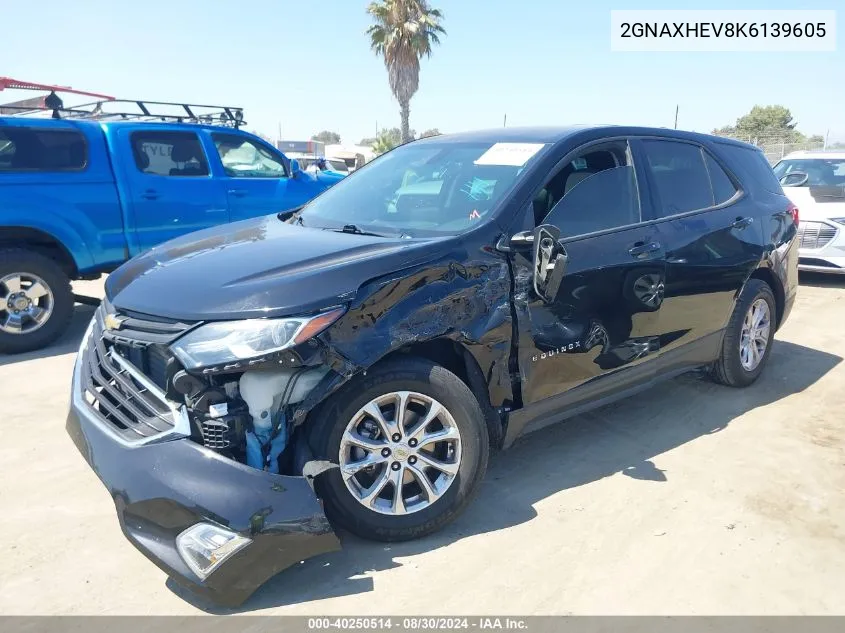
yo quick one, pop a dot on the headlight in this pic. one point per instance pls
(838, 220)
(231, 341)
(204, 547)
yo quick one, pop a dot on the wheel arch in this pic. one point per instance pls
(39, 241)
(455, 357)
(766, 275)
(442, 351)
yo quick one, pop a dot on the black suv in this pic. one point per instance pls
(367, 351)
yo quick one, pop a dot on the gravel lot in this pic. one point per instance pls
(687, 499)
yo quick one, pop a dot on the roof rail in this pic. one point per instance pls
(132, 110)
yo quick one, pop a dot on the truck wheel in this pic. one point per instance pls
(412, 445)
(36, 302)
(748, 337)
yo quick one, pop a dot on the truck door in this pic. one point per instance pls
(172, 191)
(256, 178)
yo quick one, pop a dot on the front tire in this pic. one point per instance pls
(748, 338)
(36, 301)
(412, 445)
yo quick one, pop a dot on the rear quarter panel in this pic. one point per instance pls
(780, 253)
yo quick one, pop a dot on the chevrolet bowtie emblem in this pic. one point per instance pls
(113, 322)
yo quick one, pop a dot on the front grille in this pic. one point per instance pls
(815, 234)
(215, 434)
(134, 406)
(152, 360)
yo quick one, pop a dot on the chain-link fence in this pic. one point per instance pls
(776, 147)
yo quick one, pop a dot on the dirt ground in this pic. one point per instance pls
(687, 499)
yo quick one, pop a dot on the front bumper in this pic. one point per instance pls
(161, 489)
(822, 255)
(811, 262)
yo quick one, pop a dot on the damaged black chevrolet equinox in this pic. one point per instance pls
(364, 353)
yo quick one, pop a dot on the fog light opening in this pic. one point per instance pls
(204, 547)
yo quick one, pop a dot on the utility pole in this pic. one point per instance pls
(676, 117)
(826, 138)
(505, 124)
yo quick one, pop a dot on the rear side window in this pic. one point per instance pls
(33, 149)
(169, 154)
(723, 187)
(679, 175)
(755, 163)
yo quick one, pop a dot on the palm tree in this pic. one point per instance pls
(404, 32)
(384, 143)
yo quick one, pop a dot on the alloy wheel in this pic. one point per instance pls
(754, 338)
(400, 453)
(26, 303)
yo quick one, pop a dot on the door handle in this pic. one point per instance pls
(150, 194)
(641, 250)
(742, 223)
(238, 193)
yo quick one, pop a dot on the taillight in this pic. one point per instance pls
(793, 211)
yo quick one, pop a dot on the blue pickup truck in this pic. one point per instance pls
(80, 197)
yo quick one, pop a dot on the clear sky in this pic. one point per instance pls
(306, 64)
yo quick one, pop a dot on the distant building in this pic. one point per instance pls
(354, 156)
(310, 148)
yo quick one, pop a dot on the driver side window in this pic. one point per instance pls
(595, 191)
(242, 158)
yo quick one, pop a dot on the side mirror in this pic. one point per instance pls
(295, 169)
(795, 179)
(550, 260)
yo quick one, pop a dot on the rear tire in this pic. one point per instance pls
(384, 517)
(37, 288)
(742, 360)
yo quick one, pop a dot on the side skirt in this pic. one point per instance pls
(612, 387)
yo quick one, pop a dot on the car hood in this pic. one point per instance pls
(258, 268)
(328, 178)
(818, 203)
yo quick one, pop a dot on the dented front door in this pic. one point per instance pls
(605, 316)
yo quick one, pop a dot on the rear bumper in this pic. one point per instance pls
(161, 489)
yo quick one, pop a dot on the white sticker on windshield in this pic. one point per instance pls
(510, 154)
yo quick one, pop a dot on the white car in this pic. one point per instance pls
(815, 182)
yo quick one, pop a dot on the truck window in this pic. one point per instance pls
(169, 153)
(33, 149)
(242, 158)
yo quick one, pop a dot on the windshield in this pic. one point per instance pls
(423, 189)
(821, 172)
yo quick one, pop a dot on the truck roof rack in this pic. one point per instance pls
(107, 108)
(132, 110)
